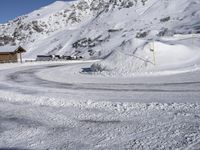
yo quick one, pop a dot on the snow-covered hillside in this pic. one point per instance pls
(116, 30)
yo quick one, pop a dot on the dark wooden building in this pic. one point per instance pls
(11, 54)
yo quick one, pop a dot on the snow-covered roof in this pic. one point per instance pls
(7, 49)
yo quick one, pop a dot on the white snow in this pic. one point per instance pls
(8, 48)
(168, 55)
(126, 97)
(94, 112)
(64, 23)
(48, 10)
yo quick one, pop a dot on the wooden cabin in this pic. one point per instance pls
(11, 54)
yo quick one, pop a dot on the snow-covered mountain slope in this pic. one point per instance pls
(106, 29)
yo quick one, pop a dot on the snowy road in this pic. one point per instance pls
(169, 88)
(50, 107)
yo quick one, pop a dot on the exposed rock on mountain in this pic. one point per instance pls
(96, 28)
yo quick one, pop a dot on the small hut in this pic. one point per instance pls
(11, 54)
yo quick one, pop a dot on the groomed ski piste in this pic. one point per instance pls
(64, 105)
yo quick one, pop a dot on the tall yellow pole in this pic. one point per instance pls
(152, 49)
(154, 55)
(193, 37)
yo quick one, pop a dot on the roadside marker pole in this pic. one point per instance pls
(152, 49)
(154, 55)
(193, 37)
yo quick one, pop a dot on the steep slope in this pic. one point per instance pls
(102, 28)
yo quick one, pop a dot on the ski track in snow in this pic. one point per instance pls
(41, 113)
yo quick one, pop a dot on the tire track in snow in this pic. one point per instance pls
(28, 76)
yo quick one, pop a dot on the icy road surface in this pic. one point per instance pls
(53, 106)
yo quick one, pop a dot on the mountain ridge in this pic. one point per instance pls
(94, 28)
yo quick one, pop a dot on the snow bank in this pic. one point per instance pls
(90, 104)
(25, 64)
(165, 57)
(176, 55)
(122, 64)
(29, 122)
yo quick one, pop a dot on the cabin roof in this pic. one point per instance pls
(12, 49)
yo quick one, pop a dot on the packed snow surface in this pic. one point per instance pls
(57, 106)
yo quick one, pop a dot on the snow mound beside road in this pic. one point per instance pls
(166, 56)
(96, 125)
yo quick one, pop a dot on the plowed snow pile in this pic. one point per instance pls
(46, 123)
(150, 57)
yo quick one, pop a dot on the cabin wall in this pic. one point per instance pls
(5, 58)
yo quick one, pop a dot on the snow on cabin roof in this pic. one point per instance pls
(9, 49)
